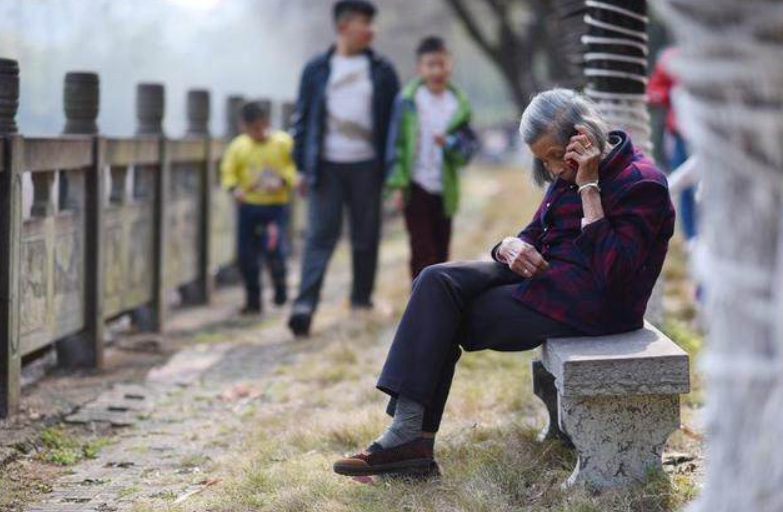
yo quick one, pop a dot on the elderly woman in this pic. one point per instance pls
(585, 265)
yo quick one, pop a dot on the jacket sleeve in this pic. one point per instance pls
(389, 116)
(394, 84)
(299, 118)
(530, 234)
(617, 245)
(461, 145)
(395, 177)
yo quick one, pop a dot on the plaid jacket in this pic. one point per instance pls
(601, 277)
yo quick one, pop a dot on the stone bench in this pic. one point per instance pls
(615, 398)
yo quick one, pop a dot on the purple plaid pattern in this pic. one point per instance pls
(601, 277)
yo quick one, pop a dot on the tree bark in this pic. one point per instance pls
(731, 109)
(616, 65)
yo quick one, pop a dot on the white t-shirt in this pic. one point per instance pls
(435, 112)
(349, 130)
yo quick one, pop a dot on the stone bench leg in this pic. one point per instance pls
(544, 388)
(618, 438)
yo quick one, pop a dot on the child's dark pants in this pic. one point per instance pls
(254, 221)
(429, 229)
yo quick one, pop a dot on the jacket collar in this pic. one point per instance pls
(369, 52)
(410, 89)
(619, 158)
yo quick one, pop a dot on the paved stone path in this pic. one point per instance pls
(187, 413)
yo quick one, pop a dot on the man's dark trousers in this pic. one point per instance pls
(460, 305)
(253, 248)
(429, 229)
(356, 186)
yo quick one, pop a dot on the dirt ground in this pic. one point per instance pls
(228, 413)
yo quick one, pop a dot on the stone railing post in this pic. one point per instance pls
(287, 113)
(150, 108)
(198, 108)
(81, 99)
(233, 106)
(10, 237)
(150, 112)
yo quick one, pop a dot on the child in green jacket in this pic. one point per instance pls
(430, 141)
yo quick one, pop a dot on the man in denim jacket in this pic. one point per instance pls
(340, 129)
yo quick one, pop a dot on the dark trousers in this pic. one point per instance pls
(455, 306)
(429, 229)
(356, 186)
(254, 221)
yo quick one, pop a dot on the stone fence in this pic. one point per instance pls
(95, 227)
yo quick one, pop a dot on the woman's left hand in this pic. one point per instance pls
(583, 150)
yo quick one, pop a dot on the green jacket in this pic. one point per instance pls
(403, 141)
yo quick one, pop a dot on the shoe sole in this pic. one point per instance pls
(407, 468)
(427, 474)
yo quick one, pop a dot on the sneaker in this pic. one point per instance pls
(412, 459)
(299, 323)
(252, 305)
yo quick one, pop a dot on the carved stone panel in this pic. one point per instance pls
(34, 286)
(68, 299)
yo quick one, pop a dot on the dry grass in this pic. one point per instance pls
(324, 404)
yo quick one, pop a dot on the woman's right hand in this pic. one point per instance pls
(522, 258)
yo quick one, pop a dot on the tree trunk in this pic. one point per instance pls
(731, 109)
(529, 56)
(616, 65)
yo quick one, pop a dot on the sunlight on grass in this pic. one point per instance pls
(324, 405)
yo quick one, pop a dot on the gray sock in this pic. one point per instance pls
(406, 424)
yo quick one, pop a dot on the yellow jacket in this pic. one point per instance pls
(250, 165)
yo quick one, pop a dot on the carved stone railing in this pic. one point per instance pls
(112, 227)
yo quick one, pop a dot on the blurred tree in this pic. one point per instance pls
(731, 107)
(534, 44)
(616, 50)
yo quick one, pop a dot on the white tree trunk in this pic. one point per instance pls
(616, 65)
(731, 109)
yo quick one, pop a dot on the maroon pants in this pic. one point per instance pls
(428, 227)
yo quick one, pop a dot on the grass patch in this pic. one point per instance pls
(64, 449)
(683, 335)
(323, 404)
(128, 491)
(691, 341)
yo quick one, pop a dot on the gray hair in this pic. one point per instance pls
(555, 113)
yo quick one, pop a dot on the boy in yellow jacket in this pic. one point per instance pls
(258, 170)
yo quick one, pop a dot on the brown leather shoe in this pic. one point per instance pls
(410, 459)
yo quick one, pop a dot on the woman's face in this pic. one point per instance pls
(551, 154)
